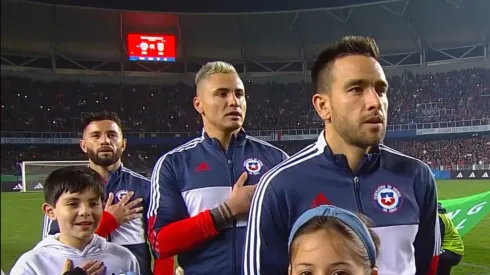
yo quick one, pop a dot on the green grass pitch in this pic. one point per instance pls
(21, 221)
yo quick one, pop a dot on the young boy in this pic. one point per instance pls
(73, 197)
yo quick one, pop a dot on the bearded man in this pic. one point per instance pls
(128, 193)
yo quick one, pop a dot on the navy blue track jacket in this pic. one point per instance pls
(199, 175)
(397, 192)
(133, 234)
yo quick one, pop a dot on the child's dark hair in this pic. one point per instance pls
(72, 179)
(88, 118)
(351, 241)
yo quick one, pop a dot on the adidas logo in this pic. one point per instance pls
(485, 175)
(472, 175)
(459, 175)
(203, 166)
(38, 186)
(17, 187)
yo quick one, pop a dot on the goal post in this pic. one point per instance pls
(35, 172)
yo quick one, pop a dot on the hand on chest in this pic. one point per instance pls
(218, 172)
(121, 190)
(207, 183)
(112, 263)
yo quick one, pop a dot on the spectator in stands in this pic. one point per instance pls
(29, 105)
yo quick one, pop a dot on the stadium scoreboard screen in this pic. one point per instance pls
(151, 47)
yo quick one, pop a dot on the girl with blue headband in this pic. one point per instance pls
(327, 240)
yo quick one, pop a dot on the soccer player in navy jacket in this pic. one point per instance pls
(129, 192)
(201, 191)
(349, 167)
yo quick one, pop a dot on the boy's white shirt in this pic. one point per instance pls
(49, 256)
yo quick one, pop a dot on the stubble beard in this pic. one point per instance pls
(352, 134)
(104, 162)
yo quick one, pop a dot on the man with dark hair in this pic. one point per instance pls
(349, 167)
(128, 192)
(73, 197)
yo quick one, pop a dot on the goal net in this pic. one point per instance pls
(35, 172)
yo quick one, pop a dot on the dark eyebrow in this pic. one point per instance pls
(226, 90)
(340, 263)
(99, 132)
(304, 264)
(72, 199)
(77, 199)
(364, 82)
(355, 82)
(335, 264)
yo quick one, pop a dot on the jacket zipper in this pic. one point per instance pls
(108, 189)
(229, 156)
(357, 192)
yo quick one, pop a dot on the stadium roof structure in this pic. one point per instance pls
(284, 38)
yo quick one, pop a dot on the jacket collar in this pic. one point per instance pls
(368, 162)
(113, 174)
(118, 172)
(238, 138)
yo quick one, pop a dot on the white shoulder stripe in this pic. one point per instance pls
(393, 151)
(265, 143)
(46, 226)
(437, 235)
(252, 242)
(155, 176)
(134, 174)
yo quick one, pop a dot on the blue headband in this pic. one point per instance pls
(348, 218)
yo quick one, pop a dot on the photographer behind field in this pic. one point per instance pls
(452, 248)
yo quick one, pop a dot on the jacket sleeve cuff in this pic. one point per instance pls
(185, 235)
(107, 225)
(76, 271)
(163, 266)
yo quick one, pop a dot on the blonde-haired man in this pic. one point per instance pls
(201, 191)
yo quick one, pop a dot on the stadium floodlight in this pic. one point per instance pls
(35, 172)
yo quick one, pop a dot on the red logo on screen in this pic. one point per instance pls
(150, 47)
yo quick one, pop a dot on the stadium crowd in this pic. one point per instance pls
(449, 153)
(38, 106)
(57, 106)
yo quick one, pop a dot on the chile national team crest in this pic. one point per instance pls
(388, 198)
(253, 166)
(120, 195)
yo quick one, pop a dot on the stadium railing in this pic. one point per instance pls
(389, 128)
(260, 133)
(470, 167)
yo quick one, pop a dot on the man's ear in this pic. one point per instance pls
(49, 211)
(322, 105)
(83, 146)
(197, 105)
(124, 144)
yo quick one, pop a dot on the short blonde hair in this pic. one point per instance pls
(215, 67)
